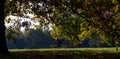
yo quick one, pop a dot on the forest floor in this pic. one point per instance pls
(64, 53)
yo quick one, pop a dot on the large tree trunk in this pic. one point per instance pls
(3, 45)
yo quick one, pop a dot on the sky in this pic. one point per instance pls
(30, 18)
(33, 23)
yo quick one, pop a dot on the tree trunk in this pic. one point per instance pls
(3, 45)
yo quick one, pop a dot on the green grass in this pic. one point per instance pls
(65, 53)
(89, 50)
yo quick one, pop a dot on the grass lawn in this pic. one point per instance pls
(88, 50)
(65, 53)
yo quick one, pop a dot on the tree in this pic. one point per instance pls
(34, 39)
(100, 17)
(3, 46)
(20, 8)
(88, 17)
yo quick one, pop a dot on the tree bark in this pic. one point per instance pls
(3, 45)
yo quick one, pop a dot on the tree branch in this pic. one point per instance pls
(81, 15)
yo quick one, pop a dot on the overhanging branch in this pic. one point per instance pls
(81, 15)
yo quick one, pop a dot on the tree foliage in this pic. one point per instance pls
(98, 16)
(74, 19)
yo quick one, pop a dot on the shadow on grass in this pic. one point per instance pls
(61, 55)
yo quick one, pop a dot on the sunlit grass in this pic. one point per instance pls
(64, 53)
(83, 50)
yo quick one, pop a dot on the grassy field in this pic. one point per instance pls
(89, 50)
(65, 53)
